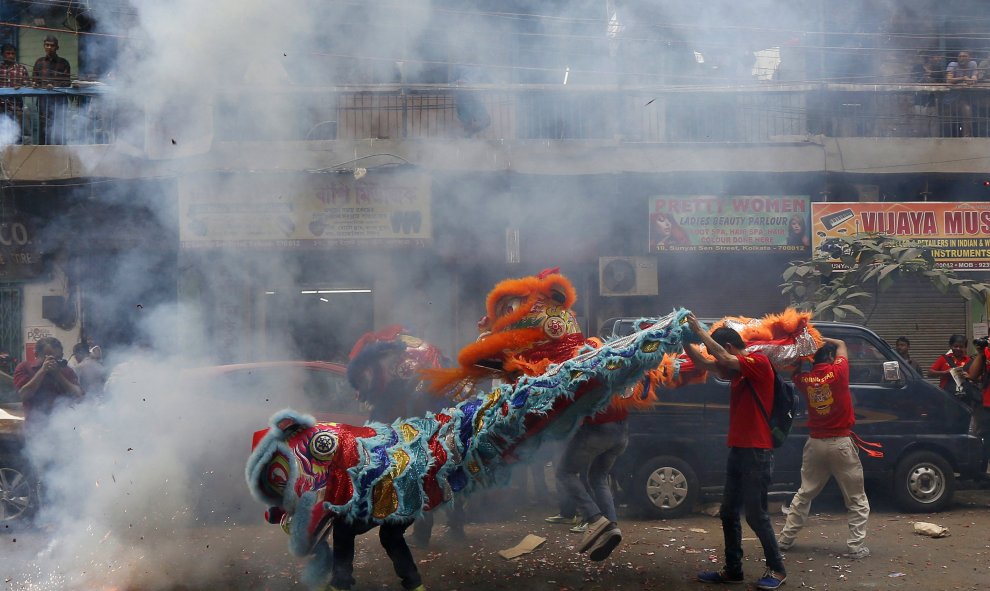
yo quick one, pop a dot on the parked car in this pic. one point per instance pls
(677, 450)
(245, 395)
(16, 495)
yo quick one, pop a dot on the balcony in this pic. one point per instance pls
(661, 115)
(62, 116)
(770, 120)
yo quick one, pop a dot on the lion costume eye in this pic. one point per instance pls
(508, 305)
(323, 446)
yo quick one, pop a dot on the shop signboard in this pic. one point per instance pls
(20, 254)
(710, 223)
(958, 233)
(319, 210)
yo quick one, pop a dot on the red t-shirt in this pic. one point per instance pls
(941, 364)
(747, 427)
(830, 409)
(610, 414)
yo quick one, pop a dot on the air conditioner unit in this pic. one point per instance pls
(627, 276)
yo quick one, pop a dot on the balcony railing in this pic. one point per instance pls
(527, 112)
(53, 117)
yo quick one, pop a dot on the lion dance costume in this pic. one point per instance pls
(311, 474)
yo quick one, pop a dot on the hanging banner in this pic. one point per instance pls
(702, 223)
(380, 208)
(958, 233)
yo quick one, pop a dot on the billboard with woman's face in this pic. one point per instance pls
(692, 223)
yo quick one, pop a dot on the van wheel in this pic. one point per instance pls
(18, 495)
(665, 487)
(924, 482)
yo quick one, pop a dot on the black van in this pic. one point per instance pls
(677, 451)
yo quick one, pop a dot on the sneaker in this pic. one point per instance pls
(720, 576)
(580, 528)
(604, 544)
(558, 518)
(420, 588)
(861, 552)
(784, 545)
(593, 531)
(771, 580)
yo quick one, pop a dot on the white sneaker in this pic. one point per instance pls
(580, 528)
(861, 552)
(784, 546)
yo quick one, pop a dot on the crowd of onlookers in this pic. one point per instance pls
(959, 71)
(50, 71)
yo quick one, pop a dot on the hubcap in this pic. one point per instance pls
(667, 487)
(15, 494)
(926, 483)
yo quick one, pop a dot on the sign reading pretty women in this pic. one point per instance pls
(700, 223)
(958, 233)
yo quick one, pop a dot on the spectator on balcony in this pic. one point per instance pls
(51, 71)
(471, 112)
(960, 73)
(930, 69)
(13, 75)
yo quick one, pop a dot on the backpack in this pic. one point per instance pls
(781, 416)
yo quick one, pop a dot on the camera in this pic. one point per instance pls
(62, 362)
(982, 342)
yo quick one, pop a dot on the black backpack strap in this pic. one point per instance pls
(759, 403)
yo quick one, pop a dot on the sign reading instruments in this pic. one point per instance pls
(703, 223)
(957, 233)
(305, 210)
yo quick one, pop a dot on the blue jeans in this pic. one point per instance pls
(747, 480)
(590, 453)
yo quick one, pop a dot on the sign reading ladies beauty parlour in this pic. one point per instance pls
(958, 234)
(703, 223)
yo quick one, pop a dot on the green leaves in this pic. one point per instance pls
(872, 263)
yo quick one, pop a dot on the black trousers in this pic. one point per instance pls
(391, 536)
(747, 481)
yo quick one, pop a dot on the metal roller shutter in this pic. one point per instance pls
(922, 313)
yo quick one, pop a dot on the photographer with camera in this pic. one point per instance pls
(979, 373)
(45, 382)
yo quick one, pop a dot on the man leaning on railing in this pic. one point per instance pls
(962, 73)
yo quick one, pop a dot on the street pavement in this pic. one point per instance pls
(654, 554)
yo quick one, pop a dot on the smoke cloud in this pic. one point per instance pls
(132, 479)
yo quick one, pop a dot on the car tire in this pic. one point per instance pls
(18, 493)
(665, 487)
(924, 482)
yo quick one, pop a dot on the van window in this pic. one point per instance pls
(865, 361)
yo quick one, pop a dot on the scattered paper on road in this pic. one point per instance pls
(527, 545)
(930, 529)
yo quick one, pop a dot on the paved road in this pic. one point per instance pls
(654, 555)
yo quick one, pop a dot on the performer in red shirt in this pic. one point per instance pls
(830, 450)
(979, 372)
(749, 469)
